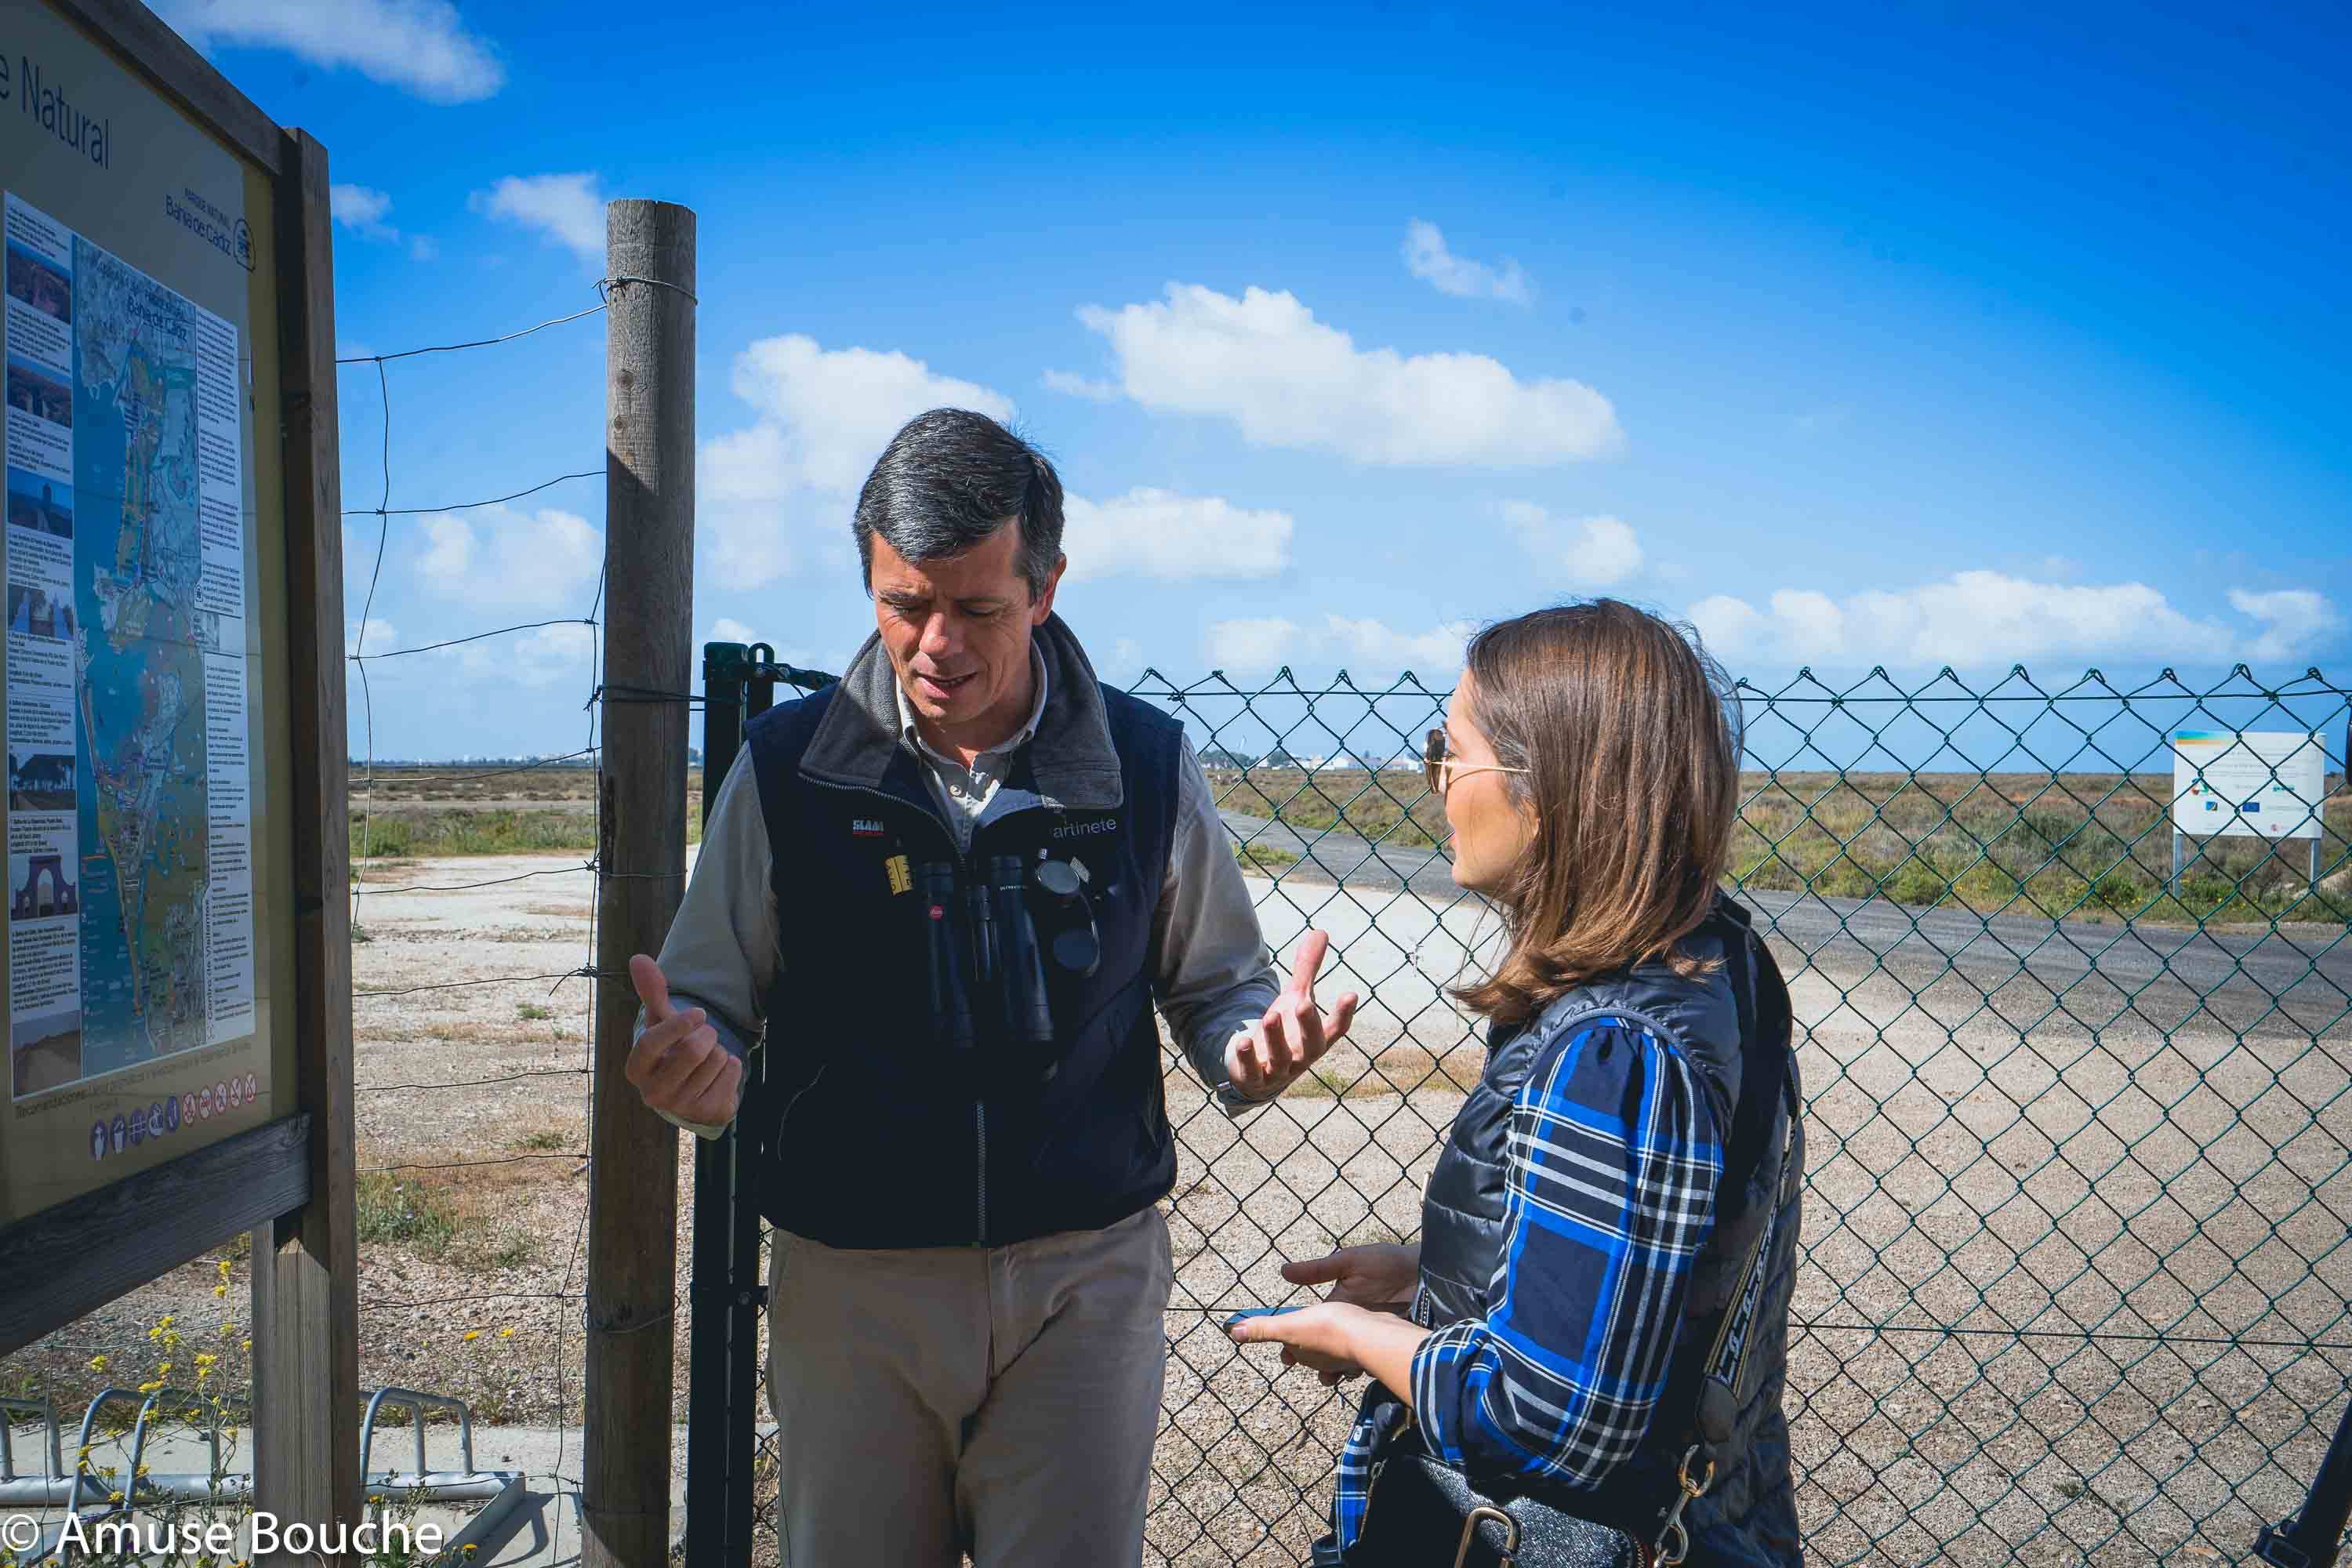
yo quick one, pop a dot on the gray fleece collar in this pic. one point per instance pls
(1076, 765)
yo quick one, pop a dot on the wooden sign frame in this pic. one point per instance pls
(289, 1180)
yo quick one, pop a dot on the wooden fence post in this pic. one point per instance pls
(641, 853)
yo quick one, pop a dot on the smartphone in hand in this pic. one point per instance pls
(1249, 1313)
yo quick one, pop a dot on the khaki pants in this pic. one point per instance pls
(936, 1401)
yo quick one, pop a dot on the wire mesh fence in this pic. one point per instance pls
(474, 897)
(2077, 1283)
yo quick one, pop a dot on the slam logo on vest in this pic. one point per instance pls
(866, 827)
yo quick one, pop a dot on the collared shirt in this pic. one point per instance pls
(1215, 976)
(1614, 1165)
(965, 794)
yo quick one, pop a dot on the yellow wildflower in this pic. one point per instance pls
(149, 1387)
(473, 1333)
(98, 1364)
(114, 1497)
(505, 1333)
(167, 1319)
(249, 1344)
(220, 1293)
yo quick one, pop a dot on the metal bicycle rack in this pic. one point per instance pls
(499, 1491)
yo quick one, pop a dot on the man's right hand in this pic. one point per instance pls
(678, 1064)
(1376, 1276)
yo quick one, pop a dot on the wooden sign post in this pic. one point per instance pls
(177, 960)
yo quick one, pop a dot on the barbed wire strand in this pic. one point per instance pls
(588, 1036)
(470, 505)
(359, 648)
(382, 359)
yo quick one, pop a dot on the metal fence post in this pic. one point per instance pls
(2313, 1538)
(718, 1477)
(745, 1321)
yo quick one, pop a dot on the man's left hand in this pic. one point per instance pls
(1261, 1060)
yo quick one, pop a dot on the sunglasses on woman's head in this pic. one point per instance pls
(1439, 769)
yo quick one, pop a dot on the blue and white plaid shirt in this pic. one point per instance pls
(1614, 1163)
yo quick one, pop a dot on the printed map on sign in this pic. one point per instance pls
(130, 799)
(141, 683)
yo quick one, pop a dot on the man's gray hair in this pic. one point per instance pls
(950, 478)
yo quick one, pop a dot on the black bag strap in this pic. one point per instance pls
(1769, 1108)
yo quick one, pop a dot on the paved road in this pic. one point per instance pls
(2294, 980)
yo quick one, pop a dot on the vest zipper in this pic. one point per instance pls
(984, 947)
(979, 1107)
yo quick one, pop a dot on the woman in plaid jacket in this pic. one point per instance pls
(1596, 1317)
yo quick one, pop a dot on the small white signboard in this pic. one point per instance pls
(2253, 783)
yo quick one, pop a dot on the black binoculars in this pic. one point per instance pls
(983, 941)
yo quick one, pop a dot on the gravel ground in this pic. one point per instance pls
(2077, 1291)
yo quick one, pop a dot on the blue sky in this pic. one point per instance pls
(1913, 334)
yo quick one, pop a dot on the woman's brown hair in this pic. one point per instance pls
(1630, 736)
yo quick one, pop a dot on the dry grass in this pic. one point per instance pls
(2075, 846)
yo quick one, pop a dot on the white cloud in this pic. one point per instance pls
(823, 415)
(1582, 552)
(567, 208)
(1977, 619)
(2298, 621)
(362, 210)
(1080, 386)
(1173, 537)
(500, 560)
(726, 628)
(783, 488)
(1426, 257)
(420, 45)
(541, 657)
(1251, 643)
(1264, 364)
(1366, 647)
(380, 638)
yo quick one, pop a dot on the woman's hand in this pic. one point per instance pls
(1321, 1337)
(1375, 1276)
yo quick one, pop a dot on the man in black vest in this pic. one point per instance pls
(942, 898)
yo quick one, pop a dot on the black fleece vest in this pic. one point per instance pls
(1733, 1026)
(865, 1132)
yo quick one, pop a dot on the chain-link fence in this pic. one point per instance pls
(2077, 1282)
